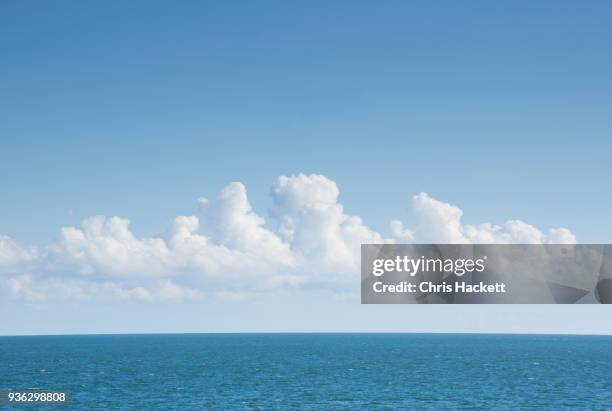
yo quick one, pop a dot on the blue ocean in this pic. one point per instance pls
(314, 371)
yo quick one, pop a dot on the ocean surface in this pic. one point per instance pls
(314, 371)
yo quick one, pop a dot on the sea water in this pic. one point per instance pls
(314, 371)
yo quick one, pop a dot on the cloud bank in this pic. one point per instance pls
(229, 249)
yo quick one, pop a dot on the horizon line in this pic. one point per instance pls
(308, 332)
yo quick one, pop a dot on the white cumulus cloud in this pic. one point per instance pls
(313, 222)
(440, 222)
(13, 253)
(229, 249)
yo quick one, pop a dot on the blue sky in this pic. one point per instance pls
(136, 109)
